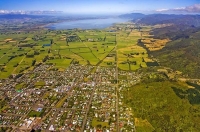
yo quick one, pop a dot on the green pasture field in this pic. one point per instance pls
(63, 52)
(34, 113)
(10, 67)
(80, 50)
(19, 86)
(76, 44)
(27, 62)
(40, 56)
(60, 53)
(4, 59)
(90, 57)
(110, 38)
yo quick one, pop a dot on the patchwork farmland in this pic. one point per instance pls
(21, 51)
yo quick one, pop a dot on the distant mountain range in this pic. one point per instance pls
(172, 19)
(133, 16)
(153, 19)
(20, 16)
(29, 12)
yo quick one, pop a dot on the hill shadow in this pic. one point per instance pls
(193, 95)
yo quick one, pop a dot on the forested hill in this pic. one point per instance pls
(133, 16)
(174, 32)
(183, 52)
(190, 20)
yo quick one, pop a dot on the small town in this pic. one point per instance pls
(82, 98)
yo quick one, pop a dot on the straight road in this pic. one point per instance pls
(116, 88)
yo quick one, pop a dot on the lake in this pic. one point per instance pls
(87, 24)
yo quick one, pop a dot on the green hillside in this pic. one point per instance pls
(183, 55)
(163, 107)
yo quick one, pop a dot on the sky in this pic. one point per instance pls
(104, 6)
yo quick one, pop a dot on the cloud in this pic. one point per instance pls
(161, 10)
(189, 9)
(194, 8)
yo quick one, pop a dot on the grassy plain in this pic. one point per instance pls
(20, 52)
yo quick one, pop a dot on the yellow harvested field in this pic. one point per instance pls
(135, 34)
(8, 39)
(131, 48)
(145, 34)
(148, 60)
(12, 41)
(155, 44)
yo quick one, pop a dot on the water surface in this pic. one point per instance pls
(87, 24)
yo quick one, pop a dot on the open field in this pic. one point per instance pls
(21, 52)
(130, 55)
(154, 44)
